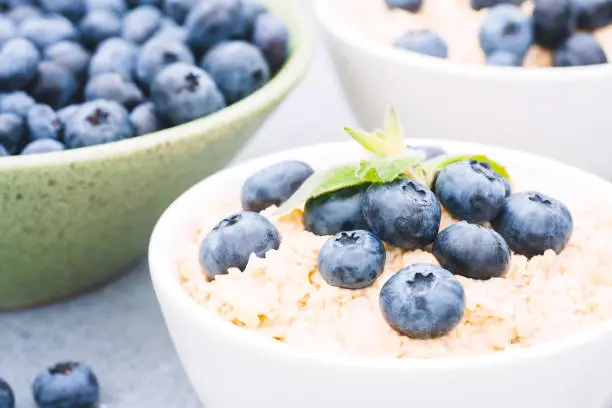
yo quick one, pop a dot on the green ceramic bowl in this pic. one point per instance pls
(75, 219)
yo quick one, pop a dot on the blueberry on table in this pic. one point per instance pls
(231, 243)
(12, 131)
(157, 54)
(71, 9)
(403, 213)
(423, 301)
(183, 92)
(7, 397)
(17, 102)
(114, 55)
(43, 123)
(424, 42)
(21, 13)
(553, 22)
(271, 35)
(337, 211)
(141, 23)
(580, 49)
(471, 191)
(54, 85)
(66, 385)
(144, 119)
(43, 146)
(238, 68)
(506, 28)
(274, 185)
(409, 5)
(113, 87)
(352, 259)
(8, 29)
(118, 6)
(48, 30)
(71, 55)
(504, 59)
(480, 4)
(532, 223)
(99, 25)
(592, 14)
(96, 123)
(178, 9)
(214, 21)
(18, 62)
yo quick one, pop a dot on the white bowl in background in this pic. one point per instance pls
(232, 368)
(556, 112)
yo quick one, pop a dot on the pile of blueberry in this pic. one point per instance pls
(562, 26)
(77, 73)
(65, 385)
(423, 300)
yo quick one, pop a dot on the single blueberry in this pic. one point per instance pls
(96, 123)
(506, 28)
(71, 9)
(238, 68)
(533, 223)
(118, 6)
(8, 29)
(424, 42)
(472, 251)
(183, 92)
(43, 123)
(211, 22)
(170, 31)
(471, 191)
(403, 213)
(21, 13)
(144, 119)
(18, 62)
(274, 185)
(231, 243)
(580, 49)
(504, 59)
(553, 22)
(271, 35)
(352, 259)
(3, 152)
(47, 30)
(337, 211)
(251, 10)
(66, 113)
(113, 87)
(157, 54)
(43, 146)
(70, 55)
(409, 5)
(430, 152)
(141, 23)
(592, 14)
(7, 397)
(423, 301)
(54, 85)
(66, 385)
(114, 55)
(17, 102)
(99, 25)
(12, 131)
(178, 9)
(480, 4)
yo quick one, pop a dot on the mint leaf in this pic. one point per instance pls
(387, 169)
(434, 166)
(383, 143)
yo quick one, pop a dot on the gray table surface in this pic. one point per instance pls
(119, 329)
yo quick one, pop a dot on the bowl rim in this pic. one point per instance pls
(344, 34)
(162, 267)
(295, 68)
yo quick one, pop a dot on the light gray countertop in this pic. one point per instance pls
(119, 329)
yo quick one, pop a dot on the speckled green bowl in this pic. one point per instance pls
(73, 220)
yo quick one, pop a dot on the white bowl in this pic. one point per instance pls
(557, 112)
(232, 368)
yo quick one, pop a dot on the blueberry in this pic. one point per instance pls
(66, 385)
(170, 31)
(182, 93)
(17, 102)
(144, 119)
(214, 21)
(592, 14)
(21, 13)
(3, 152)
(99, 25)
(118, 6)
(54, 85)
(506, 28)
(234, 240)
(18, 61)
(471, 191)
(71, 9)
(114, 55)
(12, 131)
(472, 251)
(66, 113)
(70, 55)
(431, 152)
(238, 68)
(113, 87)
(334, 212)
(271, 35)
(504, 59)
(553, 22)
(43, 146)
(157, 54)
(96, 123)
(423, 301)
(51, 29)
(423, 42)
(178, 9)
(580, 49)
(409, 5)
(480, 4)
(274, 185)
(352, 259)
(7, 398)
(43, 123)
(8, 29)
(251, 10)
(533, 223)
(141, 23)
